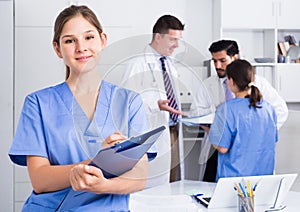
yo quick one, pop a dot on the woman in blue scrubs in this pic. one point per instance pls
(244, 129)
(62, 127)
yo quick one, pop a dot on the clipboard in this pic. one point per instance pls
(122, 157)
(113, 161)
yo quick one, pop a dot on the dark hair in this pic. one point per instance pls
(242, 73)
(166, 22)
(230, 46)
(69, 13)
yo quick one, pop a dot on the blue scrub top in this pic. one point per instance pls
(250, 136)
(50, 126)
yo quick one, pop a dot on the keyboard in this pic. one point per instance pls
(207, 199)
(202, 200)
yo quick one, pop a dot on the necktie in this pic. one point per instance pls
(228, 94)
(169, 90)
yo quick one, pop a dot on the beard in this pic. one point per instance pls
(221, 73)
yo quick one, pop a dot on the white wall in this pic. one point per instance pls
(6, 103)
(287, 150)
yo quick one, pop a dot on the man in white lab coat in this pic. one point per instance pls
(223, 53)
(144, 75)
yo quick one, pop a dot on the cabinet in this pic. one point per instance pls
(288, 81)
(258, 26)
(258, 14)
(192, 138)
(288, 14)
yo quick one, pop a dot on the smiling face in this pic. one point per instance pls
(80, 45)
(165, 44)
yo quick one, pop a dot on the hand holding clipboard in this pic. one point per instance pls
(114, 161)
(122, 157)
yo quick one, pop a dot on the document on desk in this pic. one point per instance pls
(198, 120)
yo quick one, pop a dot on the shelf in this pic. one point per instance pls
(193, 139)
(289, 64)
(263, 64)
(273, 20)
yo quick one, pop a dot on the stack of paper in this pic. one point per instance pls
(198, 120)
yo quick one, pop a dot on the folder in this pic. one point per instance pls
(122, 157)
(114, 161)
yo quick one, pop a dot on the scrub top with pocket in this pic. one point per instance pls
(52, 125)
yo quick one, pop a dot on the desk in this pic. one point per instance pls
(173, 197)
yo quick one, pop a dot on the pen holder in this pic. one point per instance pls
(245, 204)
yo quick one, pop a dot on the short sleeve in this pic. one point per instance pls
(29, 138)
(220, 132)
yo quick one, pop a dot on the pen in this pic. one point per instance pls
(256, 184)
(251, 196)
(242, 189)
(244, 185)
(198, 195)
(249, 188)
(238, 189)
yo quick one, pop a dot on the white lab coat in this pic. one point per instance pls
(143, 74)
(216, 90)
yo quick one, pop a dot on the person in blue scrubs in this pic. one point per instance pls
(244, 129)
(62, 127)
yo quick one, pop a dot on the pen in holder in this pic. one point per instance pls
(245, 203)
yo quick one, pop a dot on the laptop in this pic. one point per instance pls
(270, 191)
